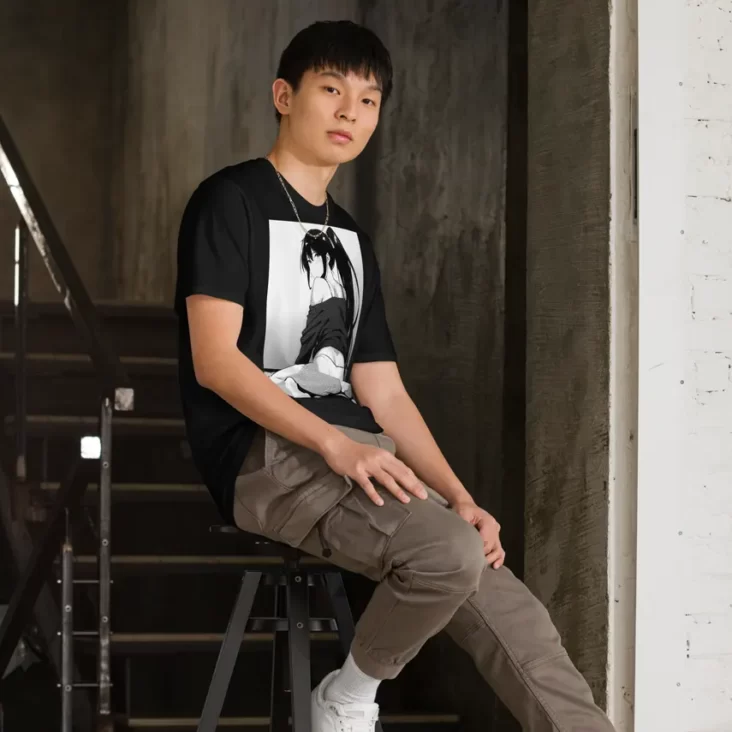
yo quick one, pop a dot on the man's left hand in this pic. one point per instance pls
(488, 528)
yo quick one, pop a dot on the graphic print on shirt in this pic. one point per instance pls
(314, 299)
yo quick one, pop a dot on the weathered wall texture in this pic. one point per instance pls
(568, 323)
(55, 96)
(435, 184)
(437, 217)
(193, 85)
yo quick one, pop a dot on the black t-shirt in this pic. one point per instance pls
(312, 307)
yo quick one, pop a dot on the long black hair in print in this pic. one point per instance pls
(328, 247)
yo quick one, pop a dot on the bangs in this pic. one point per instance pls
(341, 46)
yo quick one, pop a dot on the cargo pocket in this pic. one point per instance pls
(361, 530)
(294, 489)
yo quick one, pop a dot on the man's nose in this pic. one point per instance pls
(348, 112)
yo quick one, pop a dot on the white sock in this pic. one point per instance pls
(351, 685)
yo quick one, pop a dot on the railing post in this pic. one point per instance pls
(104, 562)
(67, 629)
(20, 301)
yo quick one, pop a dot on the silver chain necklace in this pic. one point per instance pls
(294, 208)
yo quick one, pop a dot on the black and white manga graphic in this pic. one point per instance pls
(314, 303)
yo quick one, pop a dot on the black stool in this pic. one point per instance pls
(291, 572)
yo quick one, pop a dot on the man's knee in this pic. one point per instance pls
(452, 559)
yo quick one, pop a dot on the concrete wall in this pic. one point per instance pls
(684, 636)
(433, 197)
(55, 96)
(567, 362)
(193, 88)
(434, 203)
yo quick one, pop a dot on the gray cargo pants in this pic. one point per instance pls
(432, 574)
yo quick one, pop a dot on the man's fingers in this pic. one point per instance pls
(369, 490)
(496, 558)
(391, 485)
(488, 534)
(406, 477)
(498, 563)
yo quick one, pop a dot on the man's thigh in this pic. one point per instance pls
(284, 489)
(289, 493)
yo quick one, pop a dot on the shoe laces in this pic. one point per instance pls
(352, 719)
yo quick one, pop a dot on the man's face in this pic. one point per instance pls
(327, 103)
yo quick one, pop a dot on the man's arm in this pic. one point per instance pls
(378, 386)
(220, 366)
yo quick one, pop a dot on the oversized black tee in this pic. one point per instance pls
(312, 307)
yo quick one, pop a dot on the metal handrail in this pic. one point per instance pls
(115, 380)
(117, 394)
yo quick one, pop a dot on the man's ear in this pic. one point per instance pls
(282, 96)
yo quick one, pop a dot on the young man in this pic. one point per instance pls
(299, 421)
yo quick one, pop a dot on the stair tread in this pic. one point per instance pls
(121, 423)
(83, 358)
(105, 309)
(143, 559)
(138, 487)
(152, 722)
(170, 563)
(150, 642)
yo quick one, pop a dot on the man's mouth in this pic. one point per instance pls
(340, 136)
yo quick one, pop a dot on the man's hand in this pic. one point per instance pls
(489, 529)
(362, 462)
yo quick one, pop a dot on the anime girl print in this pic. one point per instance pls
(313, 307)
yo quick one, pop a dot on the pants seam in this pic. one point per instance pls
(366, 645)
(387, 544)
(539, 662)
(445, 590)
(551, 714)
(246, 509)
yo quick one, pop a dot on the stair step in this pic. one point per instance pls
(158, 643)
(135, 458)
(81, 361)
(172, 723)
(142, 492)
(58, 424)
(106, 309)
(176, 723)
(133, 329)
(67, 385)
(168, 564)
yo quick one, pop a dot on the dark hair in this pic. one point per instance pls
(341, 45)
(328, 247)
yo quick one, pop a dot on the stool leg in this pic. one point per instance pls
(341, 609)
(343, 615)
(279, 707)
(229, 653)
(299, 637)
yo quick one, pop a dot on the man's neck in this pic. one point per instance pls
(305, 176)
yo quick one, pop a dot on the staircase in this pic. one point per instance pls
(174, 582)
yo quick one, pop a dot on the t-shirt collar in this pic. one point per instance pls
(306, 209)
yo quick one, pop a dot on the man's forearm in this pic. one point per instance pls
(416, 447)
(248, 389)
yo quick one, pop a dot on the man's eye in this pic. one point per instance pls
(370, 101)
(330, 89)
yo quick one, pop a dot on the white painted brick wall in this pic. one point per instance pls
(706, 533)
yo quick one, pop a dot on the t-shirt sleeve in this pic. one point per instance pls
(213, 244)
(374, 341)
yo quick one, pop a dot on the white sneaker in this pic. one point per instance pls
(328, 716)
